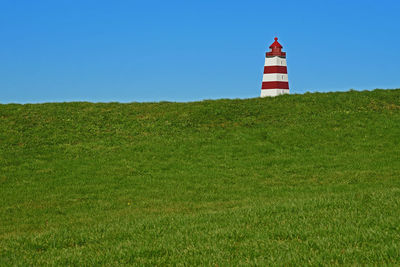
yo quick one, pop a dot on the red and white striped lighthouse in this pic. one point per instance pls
(275, 79)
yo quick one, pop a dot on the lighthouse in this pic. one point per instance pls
(275, 79)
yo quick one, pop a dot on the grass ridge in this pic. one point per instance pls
(306, 179)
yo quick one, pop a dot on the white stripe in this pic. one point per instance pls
(275, 61)
(275, 77)
(273, 92)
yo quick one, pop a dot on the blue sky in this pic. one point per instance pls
(102, 51)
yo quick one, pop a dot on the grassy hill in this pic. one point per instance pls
(296, 179)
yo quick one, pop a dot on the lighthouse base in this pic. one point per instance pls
(273, 92)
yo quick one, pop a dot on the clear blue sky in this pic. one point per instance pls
(81, 50)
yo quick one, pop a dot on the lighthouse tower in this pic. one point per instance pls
(275, 79)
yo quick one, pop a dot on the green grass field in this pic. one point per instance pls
(293, 180)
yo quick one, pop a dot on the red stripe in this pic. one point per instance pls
(275, 69)
(275, 85)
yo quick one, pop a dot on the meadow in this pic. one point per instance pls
(310, 179)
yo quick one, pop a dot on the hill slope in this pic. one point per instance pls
(301, 179)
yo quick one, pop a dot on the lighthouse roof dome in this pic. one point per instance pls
(276, 43)
(276, 50)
